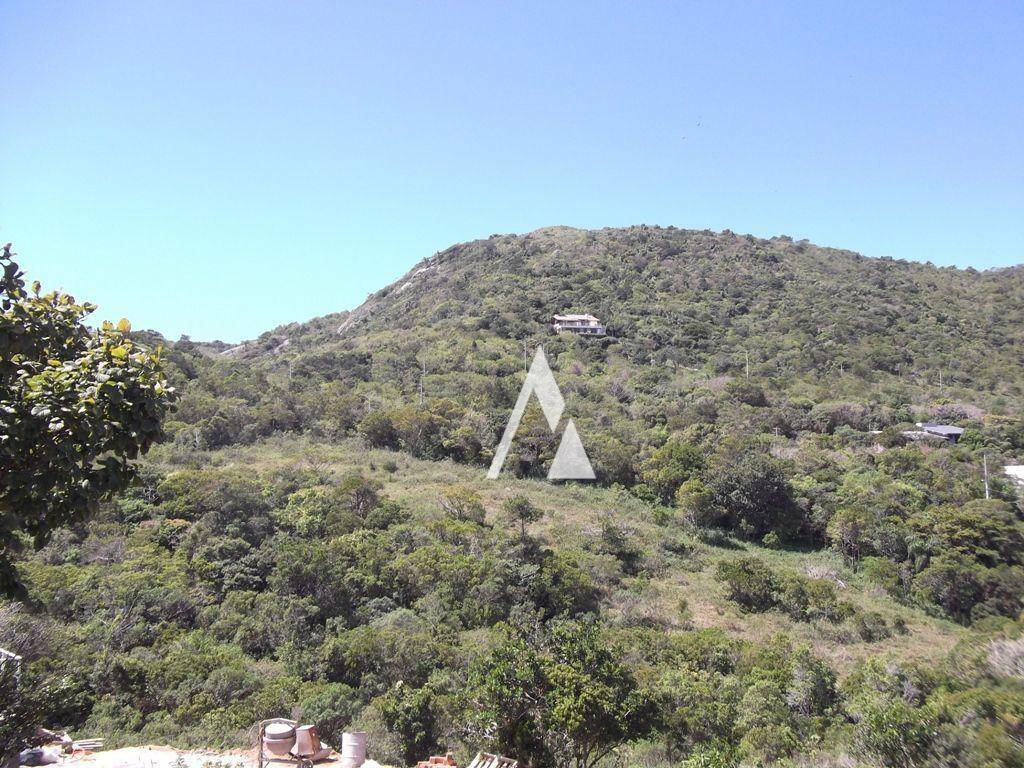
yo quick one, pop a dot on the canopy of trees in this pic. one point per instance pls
(286, 550)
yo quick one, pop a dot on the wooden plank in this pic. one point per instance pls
(487, 760)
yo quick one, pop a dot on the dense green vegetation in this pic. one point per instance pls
(766, 572)
(76, 406)
(405, 600)
(758, 386)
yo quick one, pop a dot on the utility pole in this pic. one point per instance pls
(984, 459)
(746, 363)
(423, 372)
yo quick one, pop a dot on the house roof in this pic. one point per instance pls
(942, 429)
(567, 318)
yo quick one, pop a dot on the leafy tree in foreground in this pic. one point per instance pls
(593, 701)
(564, 698)
(407, 712)
(76, 407)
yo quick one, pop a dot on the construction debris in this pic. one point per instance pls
(447, 759)
(87, 745)
(486, 760)
(40, 756)
(482, 760)
(53, 746)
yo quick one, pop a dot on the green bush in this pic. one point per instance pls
(669, 467)
(871, 626)
(751, 583)
(754, 492)
(333, 707)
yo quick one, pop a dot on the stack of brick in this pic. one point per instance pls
(448, 759)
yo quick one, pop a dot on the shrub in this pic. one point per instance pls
(332, 707)
(753, 491)
(766, 722)
(748, 392)
(755, 587)
(519, 509)
(683, 611)
(896, 733)
(823, 601)
(669, 467)
(408, 713)
(952, 583)
(987, 531)
(462, 503)
(697, 503)
(751, 583)
(378, 431)
(698, 707)
(617, 541)
(708, 757)
(374, 657)
(871, 626)
(883, 572)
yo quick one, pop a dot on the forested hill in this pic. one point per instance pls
(710, 336)
(699, 298)
(768, 570)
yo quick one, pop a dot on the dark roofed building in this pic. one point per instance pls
(945, 431)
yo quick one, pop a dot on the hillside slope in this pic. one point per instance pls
(763, 387)
(693, 297)
(710, 336)
(768, 571)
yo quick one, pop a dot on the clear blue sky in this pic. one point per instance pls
(217, 169)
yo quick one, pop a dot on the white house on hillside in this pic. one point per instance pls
(585, 325)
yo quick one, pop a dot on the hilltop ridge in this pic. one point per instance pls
(720, 301)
